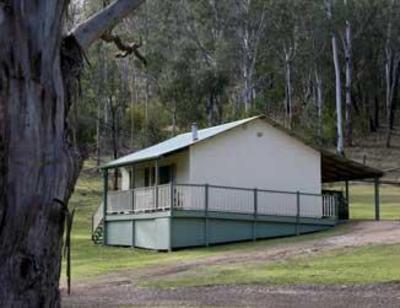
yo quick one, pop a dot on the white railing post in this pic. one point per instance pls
(172, 196)
(133, 199)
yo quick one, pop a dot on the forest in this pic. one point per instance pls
(328, 69)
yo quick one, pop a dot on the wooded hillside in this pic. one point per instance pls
(327, 68)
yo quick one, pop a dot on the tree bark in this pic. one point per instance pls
(392, 71)
(114, 136)
(246, 69)
(288, 89)
(376, 113)
(38, 164)
(348, 59)
(319, 101)
(338, 83)
(98, 133)
(91, 30)
(39, 75)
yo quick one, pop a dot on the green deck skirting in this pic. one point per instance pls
(163, 231)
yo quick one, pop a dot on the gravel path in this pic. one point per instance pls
(119, 289)
(243, 296)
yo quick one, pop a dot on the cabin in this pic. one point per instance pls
(245, 180)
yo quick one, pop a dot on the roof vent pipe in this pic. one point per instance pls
(195, 134)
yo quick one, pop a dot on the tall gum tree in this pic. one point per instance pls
(39, 166)
(338, 82)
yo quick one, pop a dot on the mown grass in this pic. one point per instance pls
(362, 202)
(373, 264)
(90, 261)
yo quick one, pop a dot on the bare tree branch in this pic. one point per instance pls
(126, 49)
(93, 28)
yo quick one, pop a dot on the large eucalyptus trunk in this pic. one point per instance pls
(39, 72)
(38, 165)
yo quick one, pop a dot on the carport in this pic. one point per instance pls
(335, 168)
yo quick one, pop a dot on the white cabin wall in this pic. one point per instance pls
(257, 155)
(241, 158)
(124, 178)
(182, 163)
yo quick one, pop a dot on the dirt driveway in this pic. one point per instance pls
(120, 289)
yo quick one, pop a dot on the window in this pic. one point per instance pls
(165, 174)
(149, 176)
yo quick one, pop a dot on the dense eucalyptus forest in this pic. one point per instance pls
(326, 68)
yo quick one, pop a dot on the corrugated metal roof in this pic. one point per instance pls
(174, 144)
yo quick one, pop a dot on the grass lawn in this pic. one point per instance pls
(351, 266)
(362, 202)
(360, 265)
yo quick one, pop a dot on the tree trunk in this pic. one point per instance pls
(38, 165)
(98, 131)
(376, 113)
(338, 82)
(114, 138)
(174, 112)
(39, 78)
(391, 95)
(288, 90)
(210, 110)
(339, 147)
(246, 71)
(320, 102)
(392, 70)
(101, 81)
(248, 89)
(348, 105)
(134, 102)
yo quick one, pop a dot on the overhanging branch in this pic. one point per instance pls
(126, 49)
(93, 28)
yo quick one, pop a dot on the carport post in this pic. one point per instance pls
(105, 192)
(377, 205)
(347, 191)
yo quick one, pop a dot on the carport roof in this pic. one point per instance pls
(335, 168)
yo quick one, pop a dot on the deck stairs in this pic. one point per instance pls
(98, 226)
(97, 234)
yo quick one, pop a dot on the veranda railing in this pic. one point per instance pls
(216, 198)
